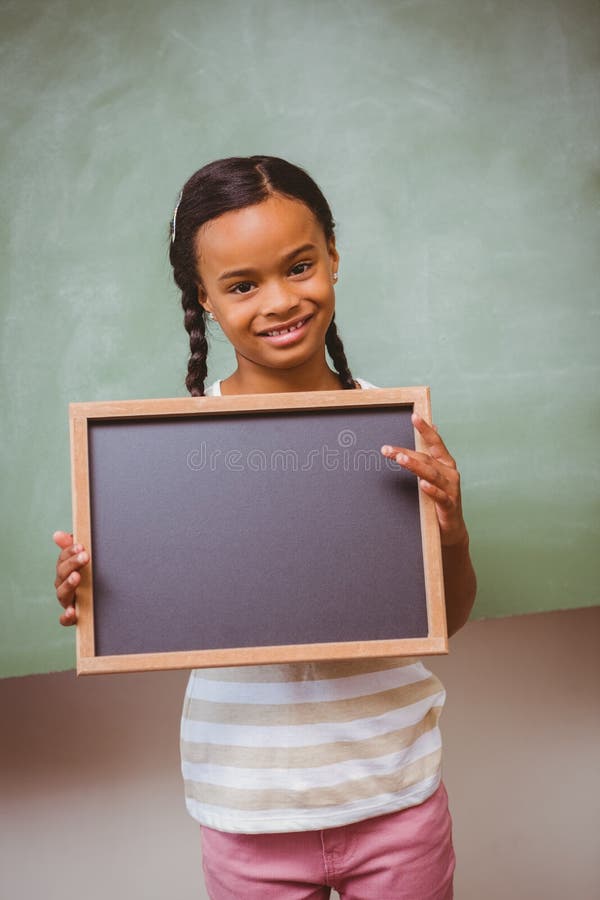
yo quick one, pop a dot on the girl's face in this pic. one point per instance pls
(263, 268)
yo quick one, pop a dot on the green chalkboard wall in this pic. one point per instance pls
(457, 142)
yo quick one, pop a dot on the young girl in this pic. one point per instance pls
(303, 777)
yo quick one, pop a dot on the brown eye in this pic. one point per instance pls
(243, 287)
(300, 268)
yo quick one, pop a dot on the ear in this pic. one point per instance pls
(203, 298)
(334, 256)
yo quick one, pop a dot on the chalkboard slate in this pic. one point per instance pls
(252, 529)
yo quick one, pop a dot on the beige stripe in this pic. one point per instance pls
(310, 713)
(317, 671)
(346, 792)
(315, 755)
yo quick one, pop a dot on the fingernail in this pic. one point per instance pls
(386, 449)
(81, 557)
(402, 458)
(72, 578)
(77, 548)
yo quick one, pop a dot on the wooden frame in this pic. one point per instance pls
(101, 425)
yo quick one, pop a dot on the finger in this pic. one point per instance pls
(69, 617)
(62, 538)
(420, 464)
(433, 441)
(437, 494)
(68, 547)
(67, 543)
(70, 560)
(65, 591)
(451, 522)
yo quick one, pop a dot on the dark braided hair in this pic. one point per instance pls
(223, 186)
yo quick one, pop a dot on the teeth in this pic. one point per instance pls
(285, 330)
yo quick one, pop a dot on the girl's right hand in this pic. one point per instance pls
(71, 558)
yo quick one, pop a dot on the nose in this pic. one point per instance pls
(279, 300)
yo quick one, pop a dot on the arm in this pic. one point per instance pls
(440, 479)
(460, 584)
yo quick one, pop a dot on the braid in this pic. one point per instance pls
(336, 352)
(195, 325)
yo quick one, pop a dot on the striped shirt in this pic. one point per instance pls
(304, 746)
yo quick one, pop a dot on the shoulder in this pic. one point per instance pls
(214, 390)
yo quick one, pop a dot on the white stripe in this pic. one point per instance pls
(307, 734)
(285, 692)
(319, 776)
(279, 820)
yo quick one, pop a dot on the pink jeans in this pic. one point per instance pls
(406, 855)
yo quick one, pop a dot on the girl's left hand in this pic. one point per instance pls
(438, 477)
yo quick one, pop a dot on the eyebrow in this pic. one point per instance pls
(240, 273)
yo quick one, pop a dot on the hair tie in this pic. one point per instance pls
(174, 219)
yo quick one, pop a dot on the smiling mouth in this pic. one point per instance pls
(287, 333)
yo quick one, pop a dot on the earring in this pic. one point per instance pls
(210, 316)
(335, 276)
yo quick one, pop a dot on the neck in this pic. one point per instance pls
(251, 379)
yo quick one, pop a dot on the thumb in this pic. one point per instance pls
(64, 539)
